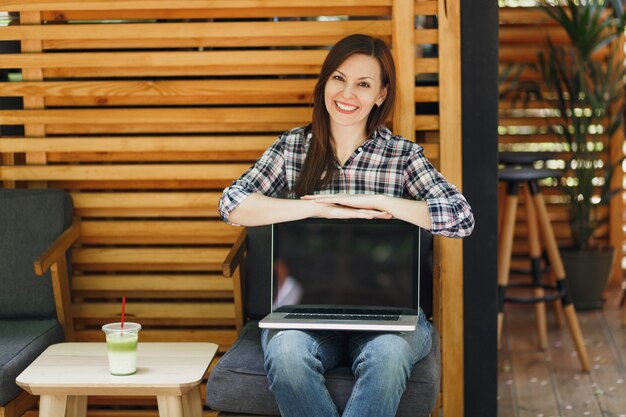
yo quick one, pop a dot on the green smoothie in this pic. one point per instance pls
(123, 342)
(122, 347)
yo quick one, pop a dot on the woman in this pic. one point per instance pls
(346, 164)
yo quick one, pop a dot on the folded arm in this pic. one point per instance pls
(257, 210)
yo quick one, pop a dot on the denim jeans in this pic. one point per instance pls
(295, 361)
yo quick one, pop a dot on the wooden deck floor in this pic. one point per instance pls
(532, 383)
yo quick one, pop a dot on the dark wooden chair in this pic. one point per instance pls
(238, 384)
(35, 226)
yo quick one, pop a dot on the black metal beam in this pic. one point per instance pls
(479, 63)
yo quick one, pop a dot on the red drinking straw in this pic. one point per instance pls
(123, 308)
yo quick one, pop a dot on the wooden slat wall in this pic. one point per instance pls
(522, 33)
(146, 110)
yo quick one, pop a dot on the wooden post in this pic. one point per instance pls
(452, 381)
(403, 36)
(33, 102)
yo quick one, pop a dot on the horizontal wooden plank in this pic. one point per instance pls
(529, 138)
(431, 150)
(229, 144)
(561, 230)
(180, 71)
(426, 65)
(248, 127)
(102, 93)
(422, 66)
(208, 12)
(157, 232)
(179, 156)
(152, 286)
(38, 5)
(154, 204)
(203, 185)
(528, 54)
(207, 313)
(426, 94)
(226, 62)
(426, 7)
(426, 36)
(161, 120)
(213, 34)
(519, 15)
(164, 283)
(507, 105)
(174, 115)
(163, 172)
(532, 35)
(426, 122)
(268, 10)
(528, 121)
(149, 259)
(522, 248)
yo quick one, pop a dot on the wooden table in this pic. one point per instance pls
(64, 375)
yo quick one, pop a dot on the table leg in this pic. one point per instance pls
(52, 405)
(170, 405)
(76, 406)
(192, 403)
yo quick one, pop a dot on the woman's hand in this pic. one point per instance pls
(361, 201)
(378, 205)
(346, 206)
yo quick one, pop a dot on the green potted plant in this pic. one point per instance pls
(587, 94)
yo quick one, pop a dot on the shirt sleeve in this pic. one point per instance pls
(450, 213)
(266, 176)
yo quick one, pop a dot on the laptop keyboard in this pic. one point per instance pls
(343, 314)
(341, 317)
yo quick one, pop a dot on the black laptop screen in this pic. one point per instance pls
(371, 263)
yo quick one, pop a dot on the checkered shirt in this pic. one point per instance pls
(383, 164)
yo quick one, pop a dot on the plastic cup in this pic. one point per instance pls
(122, 347)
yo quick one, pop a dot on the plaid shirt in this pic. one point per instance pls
(383, 164)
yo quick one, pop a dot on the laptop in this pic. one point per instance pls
(344, 275)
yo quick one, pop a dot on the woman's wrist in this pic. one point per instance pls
(383, 202)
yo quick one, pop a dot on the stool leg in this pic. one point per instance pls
(501, 205)
(505, 250)
(535, 264)
(557, 306)
(559, 273)
(622, 301)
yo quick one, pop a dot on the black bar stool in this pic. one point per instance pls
(537, 220)
(528, 159)
(524, 159)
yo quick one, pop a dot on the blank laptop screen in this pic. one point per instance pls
(371, 263)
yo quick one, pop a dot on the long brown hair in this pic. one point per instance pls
(320, 157)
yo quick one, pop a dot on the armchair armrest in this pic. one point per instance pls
(231, 268)
(57, 249)
(235, 256)
(54, 259)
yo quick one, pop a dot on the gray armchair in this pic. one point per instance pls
(238, 384)
(35, 233)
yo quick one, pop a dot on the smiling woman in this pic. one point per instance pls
(346, 164)
(350, 94)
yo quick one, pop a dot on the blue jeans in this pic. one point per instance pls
(296, 360)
